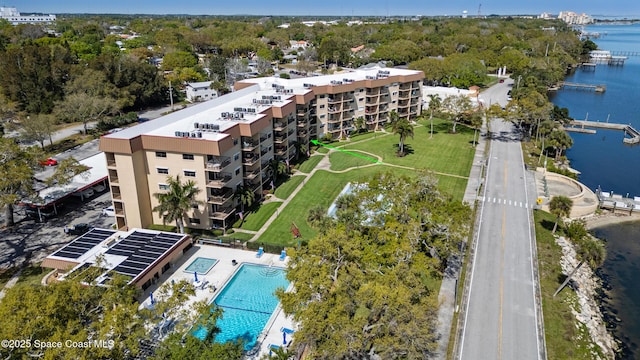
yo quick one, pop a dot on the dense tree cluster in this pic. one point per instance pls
(366, 286)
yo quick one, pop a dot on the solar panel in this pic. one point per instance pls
(142, 249)
(84, 243)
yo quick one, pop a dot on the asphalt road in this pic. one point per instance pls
(501, 319)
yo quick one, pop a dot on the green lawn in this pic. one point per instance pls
(239, 236)
(321, 189)
(341, 160)
(322, 150)
(33, 274)
(564, 340)
(310, 164)
(255, 219)
(284, 190)
(446, 153)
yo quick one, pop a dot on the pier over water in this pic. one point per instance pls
(580, 125)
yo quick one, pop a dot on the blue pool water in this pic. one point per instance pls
(201, 265)
(248, 300)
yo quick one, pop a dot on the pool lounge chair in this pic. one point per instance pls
(273, 347)
(287, 330)
(260, 252)
(283, 255)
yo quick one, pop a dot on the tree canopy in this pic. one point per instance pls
(366, 290)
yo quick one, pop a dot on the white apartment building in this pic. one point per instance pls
(229, 142)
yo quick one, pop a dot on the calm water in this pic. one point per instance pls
(606, 162)
(248, 301)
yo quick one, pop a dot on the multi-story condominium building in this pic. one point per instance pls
(230, 141)
(12, 15)
(573, 18)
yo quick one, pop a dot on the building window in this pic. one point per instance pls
(235, 141)
(161, 154)
(236, 156)
(194, 206)
(322, 106)
(322, 116)
(190, 173)
(194, 220)
(187, 156)
(163, 171)
(322, 96)
(163, 186)
(237, 171)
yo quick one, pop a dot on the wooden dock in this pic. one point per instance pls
(584, 125)
(579, 86)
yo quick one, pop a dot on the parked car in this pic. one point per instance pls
(99, 188)
(49, 162)
(77, 229)
(86, 193)
(109, 211)
(45, 213)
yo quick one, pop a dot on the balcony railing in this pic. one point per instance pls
(281, 151)
(250, 159)
(278, 126)
(251, 175)
(302, 123)
(264, 138)
(222, 213)
(335, 100)
(111, 162)
(217, 164)
(220, 181)
(302, 133)
(263, 151)
(291, 119)
(113, 180)
(249, 145)
(220, 198)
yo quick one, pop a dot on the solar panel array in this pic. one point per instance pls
(141, 250)
(84, 243)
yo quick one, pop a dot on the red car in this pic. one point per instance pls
(49, 162)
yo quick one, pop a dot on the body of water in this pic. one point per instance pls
(605, 162)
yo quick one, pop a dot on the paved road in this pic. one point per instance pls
(501, 319)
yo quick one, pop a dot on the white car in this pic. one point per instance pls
(109, 211)
(99, 188)
(86, 193)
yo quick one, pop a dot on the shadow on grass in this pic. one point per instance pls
(547, 224)
(407, 150)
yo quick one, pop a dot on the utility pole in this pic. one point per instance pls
(171, 95)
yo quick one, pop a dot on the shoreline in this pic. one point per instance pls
(609, 218)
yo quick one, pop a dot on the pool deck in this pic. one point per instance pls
(218, 276)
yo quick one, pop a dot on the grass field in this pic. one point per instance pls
(564, 339)
(445, 152)
(239, 236)
(341, 160)
(321, 189)
(310, 164)
(285, 189)
(255, 220)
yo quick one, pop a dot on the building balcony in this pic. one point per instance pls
(111, 163)
(374, 101)
(405, 86)
(278, 126)
(403, 95)
(280, 139)
(335, 100)
(219, 181)
(249, 145)
(220, 197)
(216, 164)
(302, 124)
(250, 159)
(221, 213)
(252, 174)
(334, 109)
(302, 133)
(264, 137)
(113, 180)
(375, 92)
(280, 150)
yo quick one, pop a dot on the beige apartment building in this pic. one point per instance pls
(228, 142)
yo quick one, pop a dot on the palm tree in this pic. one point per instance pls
(277, 168)
(588, 250)
(560, 206)
(246, 196)
(435, 103)
(393, 118)
(176, 201)
(403, 128)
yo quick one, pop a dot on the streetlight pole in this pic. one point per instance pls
(171, 95)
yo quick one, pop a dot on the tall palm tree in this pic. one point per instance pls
(176, 201)
(246, 196)
(403, 128)
(277, 168)
(435, 103)
(360, 124)
(393, 118)
(560, 206)
(588, 250)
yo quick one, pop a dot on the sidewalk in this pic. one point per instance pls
(448, 288)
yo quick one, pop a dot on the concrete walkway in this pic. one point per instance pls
(14, 279)
(448, 288)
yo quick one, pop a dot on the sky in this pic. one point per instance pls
(614, 8)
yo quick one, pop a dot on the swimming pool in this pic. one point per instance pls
(201, 265)
(248, 301)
